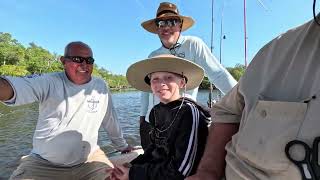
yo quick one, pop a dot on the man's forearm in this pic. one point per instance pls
(213, 160)
(6, 91)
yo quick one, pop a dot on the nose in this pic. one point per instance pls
(84, 62)
(162, 82)
(166, 28)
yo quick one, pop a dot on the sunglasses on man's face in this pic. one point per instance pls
(79, 59)
(167, 23)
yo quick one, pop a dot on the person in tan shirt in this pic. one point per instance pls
(276, 101)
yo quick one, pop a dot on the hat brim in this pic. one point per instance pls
(137, 72)
(150, 25)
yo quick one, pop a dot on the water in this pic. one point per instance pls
(17, 125)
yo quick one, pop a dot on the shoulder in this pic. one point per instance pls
(195, 43)
(288, 39)
(197, 108)
(193, 39)
(54, 77)
(156, 52)
(188, 108)
(97, 81)
(155, 107)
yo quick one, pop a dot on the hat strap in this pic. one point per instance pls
(166, 11)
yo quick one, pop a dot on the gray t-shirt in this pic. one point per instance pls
(70, 116)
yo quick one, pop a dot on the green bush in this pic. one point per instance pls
(12, 70)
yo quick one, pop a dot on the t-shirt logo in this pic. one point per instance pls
(92, 104)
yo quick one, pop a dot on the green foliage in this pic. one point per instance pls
(16, 60)
(114, 81)
(39, 60)
(11, 52)
(13, 70)
(205, 84)
(237, 71)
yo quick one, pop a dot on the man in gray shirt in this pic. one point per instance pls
(72, 107)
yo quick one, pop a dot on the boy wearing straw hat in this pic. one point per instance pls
(168, 25)
(179, 126)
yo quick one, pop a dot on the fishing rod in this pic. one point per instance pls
(211, 48)
(211, 101)
(245, 28)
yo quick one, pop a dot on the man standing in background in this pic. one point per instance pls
(168, 25)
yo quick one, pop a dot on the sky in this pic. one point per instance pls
(113, 27)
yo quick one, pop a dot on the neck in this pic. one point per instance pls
(168, 45)
(172, 99)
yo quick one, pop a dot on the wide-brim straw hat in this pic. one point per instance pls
(167, 10)
(138, 73)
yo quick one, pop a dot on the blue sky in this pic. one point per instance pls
(112, 27)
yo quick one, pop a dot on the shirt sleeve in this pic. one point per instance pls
(27, 90)
(180, 163)
(229, 109)
(216, 73)
(144, 99)
(112, 126)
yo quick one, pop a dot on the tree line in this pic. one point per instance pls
(18, 60)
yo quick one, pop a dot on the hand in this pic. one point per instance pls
(109, 172)
(142, 118)
(120, 173)
(130, 148)
(127, 149)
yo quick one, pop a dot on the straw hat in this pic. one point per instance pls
(137, 73)
(167, 10)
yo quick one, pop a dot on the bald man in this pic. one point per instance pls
(72, 107)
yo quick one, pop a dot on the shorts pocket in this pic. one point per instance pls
(269, 126)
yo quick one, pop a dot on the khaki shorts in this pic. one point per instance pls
(36, 168)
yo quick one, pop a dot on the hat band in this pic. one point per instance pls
(166, 11)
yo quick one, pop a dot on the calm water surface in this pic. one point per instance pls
(18, 123)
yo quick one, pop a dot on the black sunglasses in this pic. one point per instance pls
(167, 22)
(79, 59)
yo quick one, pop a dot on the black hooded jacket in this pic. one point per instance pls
(178, 137)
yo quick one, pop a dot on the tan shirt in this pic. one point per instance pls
(273, 104)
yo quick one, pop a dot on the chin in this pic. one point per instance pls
(83, 81)
(165, 99)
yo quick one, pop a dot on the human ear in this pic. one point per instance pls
(182, 83)
(62, 60)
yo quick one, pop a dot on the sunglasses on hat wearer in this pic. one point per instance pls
(79, 59)
(160, 23)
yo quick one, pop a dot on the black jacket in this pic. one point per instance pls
(178, 136)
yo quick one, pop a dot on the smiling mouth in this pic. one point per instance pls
(82, 71)
(162, 90)
(166, 34)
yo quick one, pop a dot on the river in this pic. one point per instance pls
(18, 123)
